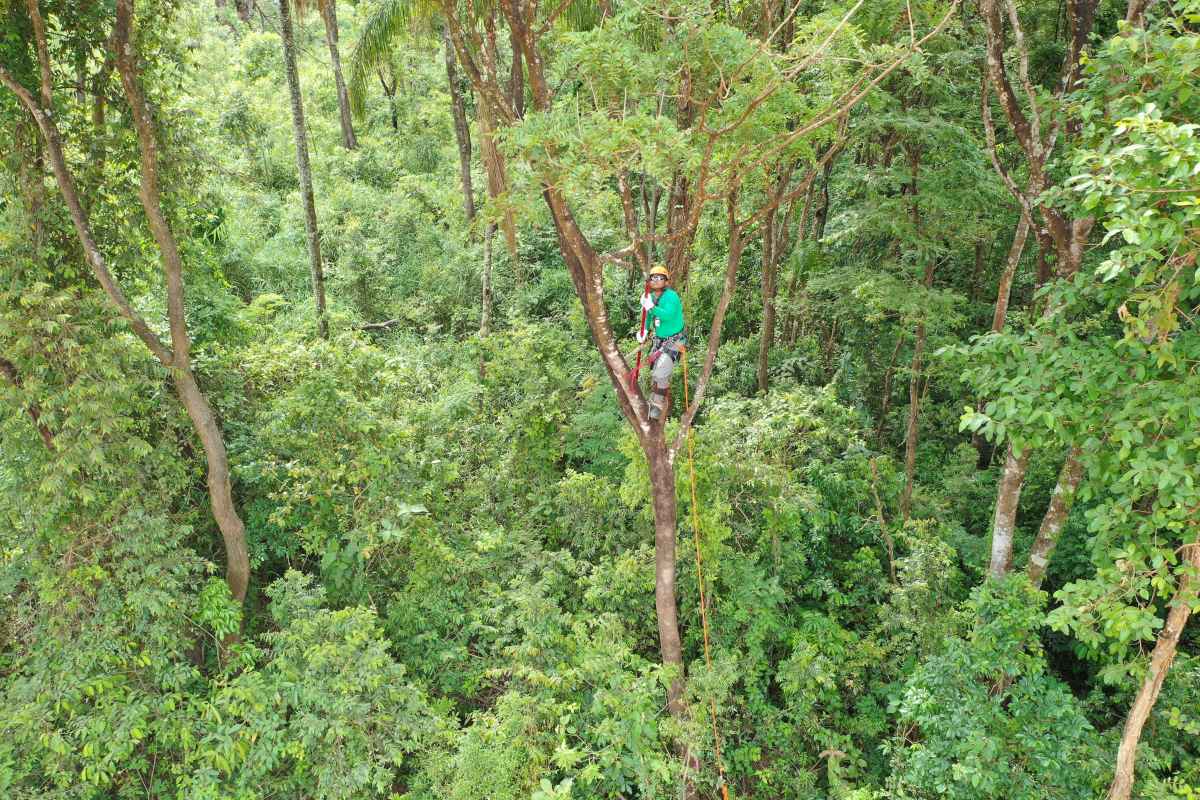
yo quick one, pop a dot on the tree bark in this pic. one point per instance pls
(885, 400)
(769, 277)
(1160, 663)
(329, 17)
(485, 317)
(462, 131)
(1004, 289)
(204, 421)
(312, 234)
(244, 7)
(914, 380)
(662, 485)
(1004, 520)
(1056, 515)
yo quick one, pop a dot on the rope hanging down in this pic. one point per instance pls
(712, 703)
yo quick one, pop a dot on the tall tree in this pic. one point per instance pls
(176, 357)
(723, 166)
(328, 11)
(312, 233)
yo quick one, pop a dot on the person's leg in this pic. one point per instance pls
(660, 379)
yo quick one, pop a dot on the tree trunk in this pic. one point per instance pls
(1004, 520)
(329, 17)
(769, 278)
(244, 7)
(306, 189)
(1160, 662)
(485, 317)
(914, 411)
(662, 491)
(914, 380)
(204, 421)
(516, 84)
(1056, 515)
(462, 132)
(1004, 290)
(885, 401)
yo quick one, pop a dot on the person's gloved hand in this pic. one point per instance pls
(647, 301)
(641, 336)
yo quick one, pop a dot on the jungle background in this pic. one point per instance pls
(377, 518)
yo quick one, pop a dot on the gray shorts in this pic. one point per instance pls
(668, 353)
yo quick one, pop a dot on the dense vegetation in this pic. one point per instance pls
(324, 474)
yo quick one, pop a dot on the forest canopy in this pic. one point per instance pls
(352, 447)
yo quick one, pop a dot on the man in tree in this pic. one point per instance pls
(664, 316)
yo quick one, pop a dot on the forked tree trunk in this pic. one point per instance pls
(1056, 515)
(329, 17)
(1160, 663)
(312, 234)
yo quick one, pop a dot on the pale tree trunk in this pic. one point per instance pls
(1160, 663)
(312, 234)
(462, 132)
(1056, 516)
(329, 17)
(1000, 315)
(1004, 519)
(176, 360)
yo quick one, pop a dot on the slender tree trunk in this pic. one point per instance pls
(885, 400)
(883, 529)
(914, 380)
(1160, 663)
(1004, 290)
(662, 490)
(1004, 520)
(1056, 515)
(462, 131)
(306, 188)
(485, 318)
(203, 420)
(769, 278)
(914, 411)
(329, 17)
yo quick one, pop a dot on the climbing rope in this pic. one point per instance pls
(633, 376)
(712, 703)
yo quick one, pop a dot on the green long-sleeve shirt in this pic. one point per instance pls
(666, 318)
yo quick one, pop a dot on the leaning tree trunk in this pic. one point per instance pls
(329, 17)
(176, 358)
(199, 411)
(306, 189)
(1056, 515)
(1004, 520)
(1160, 662)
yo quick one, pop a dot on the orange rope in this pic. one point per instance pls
(712, 703)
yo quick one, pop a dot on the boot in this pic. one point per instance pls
(658, 403)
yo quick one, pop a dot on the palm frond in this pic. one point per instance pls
(389, 19)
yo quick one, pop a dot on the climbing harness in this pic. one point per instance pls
(712, 702)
